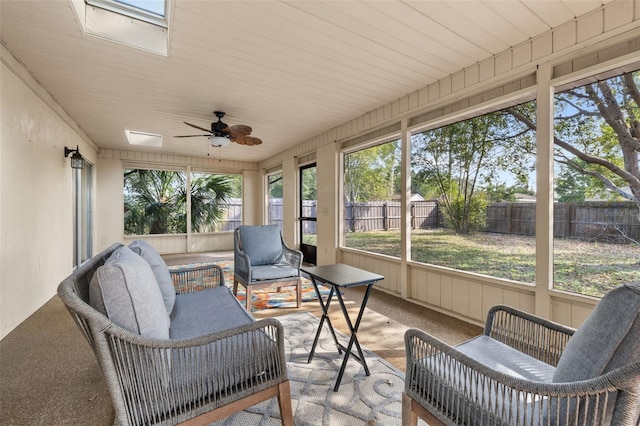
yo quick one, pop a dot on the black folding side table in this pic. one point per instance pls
(336, 277)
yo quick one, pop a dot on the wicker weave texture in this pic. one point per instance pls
(167, 381)
(459, 390)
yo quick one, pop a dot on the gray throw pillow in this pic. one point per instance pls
(126, 291)
(261, 243)
(608, 338)
(160, 270)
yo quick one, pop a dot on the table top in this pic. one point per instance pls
(341, 275)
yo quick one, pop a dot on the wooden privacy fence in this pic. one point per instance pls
(385, 215)
(594, 220)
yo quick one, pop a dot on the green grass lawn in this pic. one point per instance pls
(579, 266)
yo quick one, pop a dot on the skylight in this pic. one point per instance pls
(142, 24)
(143, 138)
(156, 7)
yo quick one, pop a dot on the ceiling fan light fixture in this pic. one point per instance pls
(219, 141)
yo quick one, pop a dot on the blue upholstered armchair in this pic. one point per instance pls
(262, 259)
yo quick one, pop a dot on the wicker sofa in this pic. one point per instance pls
(525, 370)
(195, 356)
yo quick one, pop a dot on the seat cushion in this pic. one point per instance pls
(206, 311)
(273, 272)
(160, 270)
(608, 338)
(262, 244)
(464, 396)
(505, 359)
(125, 289)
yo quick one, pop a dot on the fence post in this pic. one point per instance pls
(385, 217)
(412, 209)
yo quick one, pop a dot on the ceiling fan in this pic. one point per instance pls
(221, 134)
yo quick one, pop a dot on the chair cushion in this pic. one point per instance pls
(608, 338)
(465, 395)
(126, 291)
(206, 311)
(273, 272)
(160, 270)
(262, 243)
(505, 359)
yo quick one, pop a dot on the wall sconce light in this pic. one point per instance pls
(77, 162)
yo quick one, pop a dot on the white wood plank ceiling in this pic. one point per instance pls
(289, 69)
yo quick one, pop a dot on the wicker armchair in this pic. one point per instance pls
(195, 380)
(263, 260)
(519, 372)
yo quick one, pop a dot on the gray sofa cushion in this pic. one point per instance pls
(273, 272)
(160, 270)
(126, 291)
(261, 243)
(207, 311)
(608, 338)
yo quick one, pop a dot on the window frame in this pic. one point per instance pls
(82, 214)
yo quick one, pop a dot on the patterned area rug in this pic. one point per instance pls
(263, 298)
(361, 399)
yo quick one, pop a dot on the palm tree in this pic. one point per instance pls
(155, 201)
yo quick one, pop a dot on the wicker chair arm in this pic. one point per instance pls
(437, 370)
(291, 256)
(174, 380)
(187, 280)
(537, 337)
(241, 265)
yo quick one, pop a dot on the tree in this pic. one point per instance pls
(372, 173)
(155, 201)
(597, 133)
(275, 185)
(210, 196)
(457, 157)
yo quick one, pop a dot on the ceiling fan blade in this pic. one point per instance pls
(240, 139)
(251, 141)
(197, 127)
(239, 129)
(193, 136)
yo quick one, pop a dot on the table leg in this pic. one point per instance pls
(354, 338)
(325, 316)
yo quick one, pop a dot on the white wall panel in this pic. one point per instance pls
(618, 14)
(492, 296)
(475, 300)
(434, 289)
(589, 26)
(446, 284)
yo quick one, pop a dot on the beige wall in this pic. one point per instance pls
(35, 195)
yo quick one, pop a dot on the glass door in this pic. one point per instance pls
(308, 215)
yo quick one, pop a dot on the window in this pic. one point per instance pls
(474, 182)
(308, 212)
(154, 202)
(158, 201)
(216, 202)
(82, 213)
(372, 199)
(596, 163)
(274, 201)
